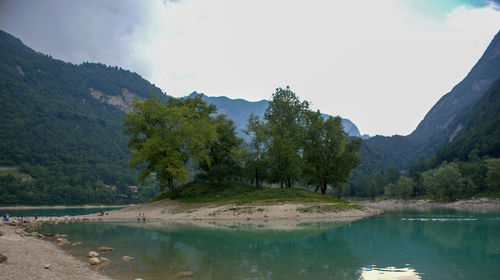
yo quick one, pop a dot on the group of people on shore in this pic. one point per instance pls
(141, 217)
(17, 220)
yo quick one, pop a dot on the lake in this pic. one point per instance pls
(432, 244)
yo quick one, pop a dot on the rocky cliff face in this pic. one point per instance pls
(442, 123)
(447, 116)
(121, 101)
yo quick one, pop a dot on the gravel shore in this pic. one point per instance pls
(32, 258)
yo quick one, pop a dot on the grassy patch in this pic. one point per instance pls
(200, 192)
(338, 207)
(488, 195)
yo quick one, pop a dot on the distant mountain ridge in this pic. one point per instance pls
(239, 110)
(440, 125)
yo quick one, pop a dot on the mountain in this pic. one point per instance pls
(441, 124)
(62, 123)
(446, 118)
(239, 110)
(480, 135)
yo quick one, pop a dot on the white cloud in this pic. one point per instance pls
(375, 62)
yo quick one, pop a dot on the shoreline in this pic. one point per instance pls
(476, 204)
(26, 207)
(33, 257)
(29, 257)
(168, 210)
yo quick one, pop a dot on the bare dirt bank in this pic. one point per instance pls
(32, 258)
(168, 210)
(478, 204)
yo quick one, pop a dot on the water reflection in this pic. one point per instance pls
(389, 273)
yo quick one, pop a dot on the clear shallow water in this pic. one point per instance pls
(55, 212)
(436, 244)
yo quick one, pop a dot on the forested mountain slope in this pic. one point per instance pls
(480, 135)
(62, 123)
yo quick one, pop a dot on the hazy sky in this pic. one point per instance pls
(382, 64)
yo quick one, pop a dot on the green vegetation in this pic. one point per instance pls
(165, 136)
(55, 131)
(292, 145)
(205, 192)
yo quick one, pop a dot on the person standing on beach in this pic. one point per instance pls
(36, 216)
(143, 217)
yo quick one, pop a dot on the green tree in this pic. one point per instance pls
(284, 116)
(493, 175)
(329, 154)
(165, 136)
(223, 164)
(392, 174)
(444, 182)
(257, 148)
(404, 187)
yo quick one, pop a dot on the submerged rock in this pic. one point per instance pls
(105, 249)
(61, 241)
(76, 243)
(128, 258)
(92, 254)
(104, 260)
(184, 274)
(37, 235)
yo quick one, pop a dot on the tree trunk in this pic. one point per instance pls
(171, 186)
(323, 189)
(317, 188)
(257, 177)
(288, 183)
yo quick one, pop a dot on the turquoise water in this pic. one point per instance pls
(53, 212)
(436, 244)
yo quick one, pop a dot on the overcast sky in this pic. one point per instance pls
(382, 64)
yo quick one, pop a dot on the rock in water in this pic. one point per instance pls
(61, 241)
(105, 249)
(128, 258)
(76, 243)
(92, 254)
(184, 274)
(104, 260)
(3, 258)
(94, 261)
